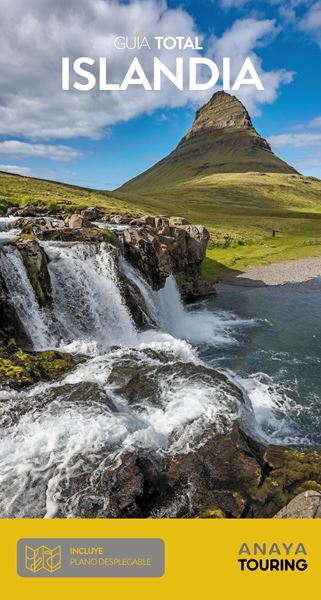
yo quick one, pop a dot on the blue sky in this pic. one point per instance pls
(102, 139)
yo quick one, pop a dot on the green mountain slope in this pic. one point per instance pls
(223, 174)
(221, 140)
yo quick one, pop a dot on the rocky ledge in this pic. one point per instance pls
(157, 246)
(19, 368)
(160, 246)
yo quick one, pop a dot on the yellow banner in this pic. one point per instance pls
(250, 559)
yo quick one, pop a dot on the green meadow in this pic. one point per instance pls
(241, 211)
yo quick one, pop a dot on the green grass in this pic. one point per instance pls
(17, 190)
(240, 210)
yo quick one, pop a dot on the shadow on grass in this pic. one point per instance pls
(215, 272)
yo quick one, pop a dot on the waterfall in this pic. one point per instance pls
(88, 309)
(7, 229)
(23, 298)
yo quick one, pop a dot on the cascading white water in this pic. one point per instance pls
(165, 307)
(88, 309)
(7, 228)
(23, 298)
(49, 442)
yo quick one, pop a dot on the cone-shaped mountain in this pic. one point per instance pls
(222, 139)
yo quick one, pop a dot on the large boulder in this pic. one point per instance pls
(158, 250)
(135, 302)
(19, 368)
(306, 505)
(36, 264)
(10, 324)
(27, 211)
(77, 221)
(83, 234)
(92, 213)
(148, 253)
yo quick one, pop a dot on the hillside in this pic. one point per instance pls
(222, 139)
(223, 175)
(20, 190)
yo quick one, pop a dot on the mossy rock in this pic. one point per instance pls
(212, 513)
(110, 237)
(291, 472)
(20, 368)
(36, 264)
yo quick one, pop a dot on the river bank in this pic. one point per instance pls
(280, 273)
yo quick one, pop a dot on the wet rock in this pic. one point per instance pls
(19, 368)
(36, 264)
(66, 395)
(10, 324)
(84, 234)
(135, 303)
(215, 477)
(83, 392)
(147, 252)
(140, 380)
(158, 250)
(129, 487)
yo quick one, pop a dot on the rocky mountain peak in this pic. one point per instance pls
(220, 112)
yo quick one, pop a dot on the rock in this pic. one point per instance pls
(125, 489)
(145, 250)
(306, 505)
(19, 368)
(36, 264)
(84, 234)
(10, 324)
(215, 479)
(178, 221)
(121, 219)
(67, 395)
(162, 223)
(288, 472)
(157, 253)
(135, 302)
(92, 213)
(76, 221)
(27, 211)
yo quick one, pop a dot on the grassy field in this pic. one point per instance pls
(241, 210)
(17, 190)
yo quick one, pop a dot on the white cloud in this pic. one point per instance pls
(315, 122)
(295, 140)
(311, 23)
(15, 169)
(233, 3)
(52, 152)
(240, 41)
(34, 36)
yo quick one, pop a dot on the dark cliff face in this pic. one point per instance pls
(222, 139)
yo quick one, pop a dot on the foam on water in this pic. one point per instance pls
(23, 298)
(88, 308)
(47, 438)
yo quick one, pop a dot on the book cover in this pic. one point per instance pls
(160, 278)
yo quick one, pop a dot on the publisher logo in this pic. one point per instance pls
(90, 557)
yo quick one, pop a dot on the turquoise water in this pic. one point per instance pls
(277, 360)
